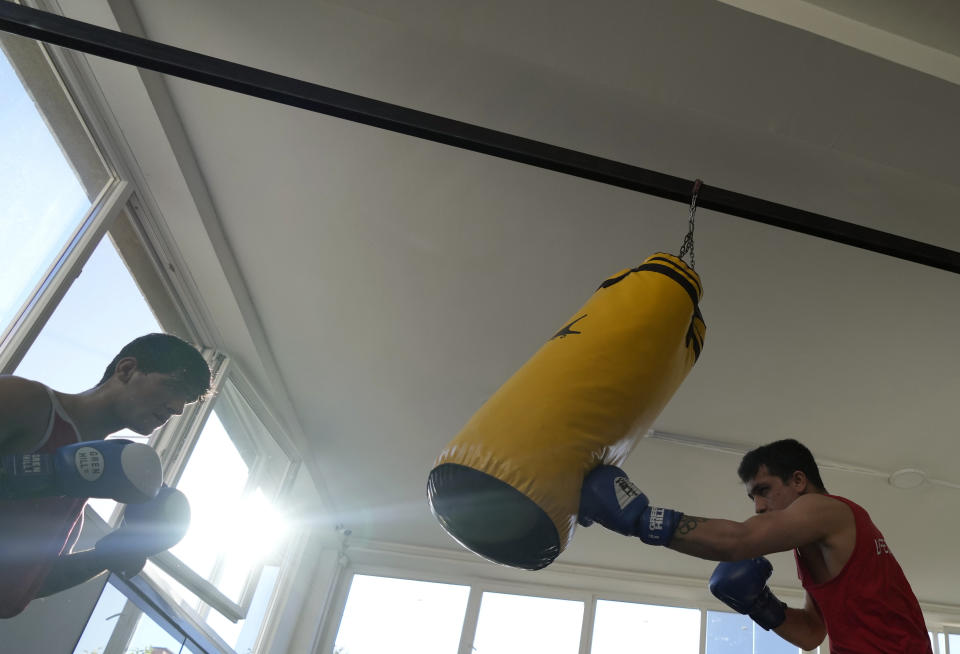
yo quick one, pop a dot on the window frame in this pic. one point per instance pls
(145, 599)
(947, 631)
(104, 209)
(28, 323)
(561, 581)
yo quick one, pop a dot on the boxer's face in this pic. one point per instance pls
(770, 493)
(148, 400)
(154, 398)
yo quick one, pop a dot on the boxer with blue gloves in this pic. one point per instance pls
(53, 457)
(869, 609)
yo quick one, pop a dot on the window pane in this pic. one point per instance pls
(213, 506)
(621, 625)
(732, 633)
(258, 529)
(102, 621)
(729, 633)
(400, 616)
(235, 524)
(103, 311)
(42, 203)
(768, 642)
(151, 638)
(141, 634)
(953, 642)
(518, 624)
(243, 634)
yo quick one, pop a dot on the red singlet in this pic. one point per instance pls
(33, 533)
(869, 608)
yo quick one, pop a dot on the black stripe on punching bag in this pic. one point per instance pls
(692, 287)
(692, 336)
(669, 271)
(673, 264)
(676, 276)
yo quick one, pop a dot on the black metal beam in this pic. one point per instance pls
(162, 58)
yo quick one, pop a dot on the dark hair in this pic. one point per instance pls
(782, 459)
(166, 354)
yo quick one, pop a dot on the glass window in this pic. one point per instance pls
(949, 643)
(619, 626)
(102, 621)
(151, 638)
(213, 506)
(519, 624)
(235, 523)
(401, 616)
(260, 529)
(242, 635)
(103, 311)
(729, 633)
(732, 633)
(42, 202)
(117, 625)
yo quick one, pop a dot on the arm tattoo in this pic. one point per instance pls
(688, 523)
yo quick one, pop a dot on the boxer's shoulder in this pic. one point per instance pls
(24, 413)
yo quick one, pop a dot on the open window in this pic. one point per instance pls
(236, 475)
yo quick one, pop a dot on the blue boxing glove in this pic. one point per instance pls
(742, 585)
(118, 469)
(147, 529)
(610, 498)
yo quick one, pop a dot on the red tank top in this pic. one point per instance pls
(36, 532)
(869, 608)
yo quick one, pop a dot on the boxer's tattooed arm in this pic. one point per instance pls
(715, 539)
(688, 523)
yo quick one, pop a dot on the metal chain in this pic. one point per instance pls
(687, 245)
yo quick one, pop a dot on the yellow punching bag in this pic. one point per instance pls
(507, 486)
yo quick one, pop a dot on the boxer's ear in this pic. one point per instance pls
(125, 368)
(799, 482)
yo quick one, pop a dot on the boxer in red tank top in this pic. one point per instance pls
(45, 527)
(869, 605)
(856, 592)
(151, 379)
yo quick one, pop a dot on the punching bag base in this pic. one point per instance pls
(492, 518)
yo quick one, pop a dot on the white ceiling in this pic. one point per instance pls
(400, 282)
